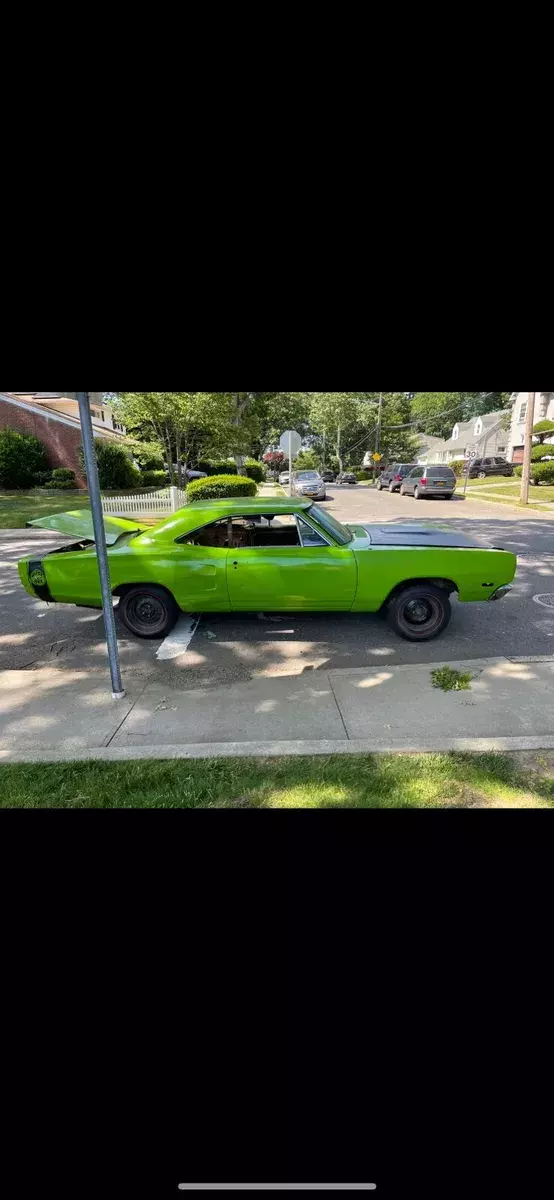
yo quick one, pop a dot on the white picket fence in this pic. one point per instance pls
(145, 504)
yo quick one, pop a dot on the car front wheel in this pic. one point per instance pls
(420, 612)
(148, 611)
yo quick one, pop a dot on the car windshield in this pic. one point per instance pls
(331, 525)
(307, 475)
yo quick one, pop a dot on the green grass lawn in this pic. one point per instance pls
(340, 781)
(510, 495)
(16, 508)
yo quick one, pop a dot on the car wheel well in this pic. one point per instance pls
(123, 588)
(448, 586)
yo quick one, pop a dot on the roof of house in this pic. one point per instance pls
(466, 428)
(53, 413)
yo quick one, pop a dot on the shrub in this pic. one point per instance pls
(218, 468)
(457, 466)
(543, 428)
(543, 472)
(21, 456)
(64, 474)
(62, 485)
(255, 470)
(540, 452)
(518, 471)
(41, 478)
(218, 486)
(154, 479)
(361, 475)
(115, 469)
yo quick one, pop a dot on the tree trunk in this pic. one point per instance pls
(178, 456)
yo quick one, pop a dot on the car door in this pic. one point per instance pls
(310, 575)
(409, 483)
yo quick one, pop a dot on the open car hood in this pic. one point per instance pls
(79, 525)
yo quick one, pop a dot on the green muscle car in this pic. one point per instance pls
(248, 555)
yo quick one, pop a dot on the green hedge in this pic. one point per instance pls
(542, 473)
(255, 470)
(218, 486)
(41, 478)
(62, 485)
(154, 479)
(116, 471)
(218, 468)
(518, 471)
(457, 466)
(540, 452)
(21, 457)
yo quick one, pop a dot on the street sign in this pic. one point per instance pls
(377, 457)
(470, 454)
(290, 443)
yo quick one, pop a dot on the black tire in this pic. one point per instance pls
(449, 496)
(391, 488)
(148, 611)
(417, 494)
(482, 475)
(419, 613)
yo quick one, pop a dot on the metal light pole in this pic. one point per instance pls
(91, 467)
(526, 472)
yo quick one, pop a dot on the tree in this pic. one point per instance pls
(436, 413)
(307, 460)
(184, 423)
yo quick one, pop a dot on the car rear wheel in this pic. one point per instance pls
(148, 611)
(391, 488)
(417, 494)
(482, 475)
(420, 612)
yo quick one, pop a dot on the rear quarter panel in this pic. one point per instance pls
(475, 573)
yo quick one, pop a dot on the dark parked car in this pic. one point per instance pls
(328, 476)
(346, 477)
(392, 476)
(479, 468)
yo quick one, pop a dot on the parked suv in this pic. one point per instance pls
(347, 477)
(392, 476)
(479, 468)
(429, 481)
(309, 483)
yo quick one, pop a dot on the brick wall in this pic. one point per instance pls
(60, 441)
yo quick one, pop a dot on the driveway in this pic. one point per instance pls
(225, 647)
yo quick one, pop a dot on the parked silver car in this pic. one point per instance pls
(308, 483)
(429, 481)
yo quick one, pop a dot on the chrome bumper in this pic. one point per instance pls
(501, 591)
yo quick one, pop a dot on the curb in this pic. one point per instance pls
(283, 749)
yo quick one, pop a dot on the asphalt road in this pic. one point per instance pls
(228, 647)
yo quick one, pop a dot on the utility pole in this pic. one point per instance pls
(378, 435)
(338, 448)
(526, 472)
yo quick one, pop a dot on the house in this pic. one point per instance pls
(482, 435)
(427, 445)
(544, 411)
(54, 419)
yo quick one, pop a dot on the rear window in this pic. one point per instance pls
(403, 470)
(439, 472)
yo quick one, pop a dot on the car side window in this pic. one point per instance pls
(414, 474)
(308, 536)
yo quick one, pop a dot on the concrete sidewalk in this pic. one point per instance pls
(49, 714)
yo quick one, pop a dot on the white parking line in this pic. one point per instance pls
(179, 639)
